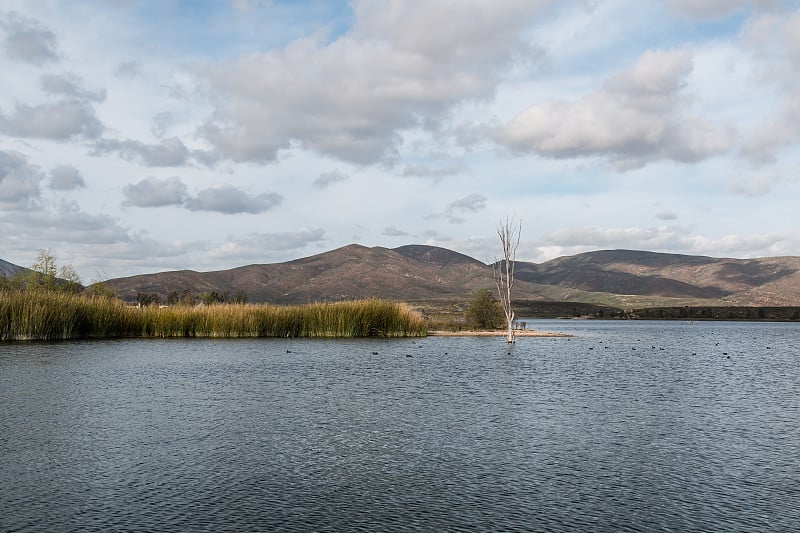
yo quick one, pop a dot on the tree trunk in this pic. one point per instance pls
(509, 233)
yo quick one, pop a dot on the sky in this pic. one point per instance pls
(144, 136)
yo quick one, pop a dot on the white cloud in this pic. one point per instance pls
(230, 200)
(161, 122)
(67, 228)
(710, 9)
(73, 225)
(90, 242)
(392, 231)
(774, 39)
(423, 86)
(19, 181)
(757, 185)
(71, 86)
(326, 179)
(248, 5)
(227, 199)
(773, 134)
(169, 152)
(128, 69)
(667, 239)
(433, 171)
(62, 120)
(472, 203)
(351, 98)
(654, 238)
(637, 117)
(27, 41)
(66, 178)
(154, 192)
(266, 246)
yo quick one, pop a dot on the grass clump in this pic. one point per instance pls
(45, 315)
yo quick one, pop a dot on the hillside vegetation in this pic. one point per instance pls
(436, 280)
(619, 278)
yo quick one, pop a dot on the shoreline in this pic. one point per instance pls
(494, 333)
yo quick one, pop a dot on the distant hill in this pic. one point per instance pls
(351, 272)
(764, 281)
(618, 278)
(9, 270)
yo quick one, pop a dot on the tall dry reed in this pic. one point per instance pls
(42, 315)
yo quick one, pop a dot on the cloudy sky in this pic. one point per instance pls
(140, 136)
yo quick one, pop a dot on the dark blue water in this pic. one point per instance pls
(627, 426)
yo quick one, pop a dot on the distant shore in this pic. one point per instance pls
(494, 333)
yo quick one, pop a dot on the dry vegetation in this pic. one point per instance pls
(46, 315)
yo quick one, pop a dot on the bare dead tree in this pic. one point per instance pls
(509, 233)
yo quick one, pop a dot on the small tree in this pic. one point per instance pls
(45, 274)
(42, 274)
(212, 297)
(70, 280)
(187, 298)
(239, 297)
(484, 311)
(509, 233)
(98, 288)
(146, 298)
(45, 263)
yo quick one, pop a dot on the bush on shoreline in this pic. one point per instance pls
(47, 315)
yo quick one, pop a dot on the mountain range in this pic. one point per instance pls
(623, 279)
(9, 270)
(618, 278)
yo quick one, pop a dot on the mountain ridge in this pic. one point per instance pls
(619, 278)
(9, 270)
(421, 272)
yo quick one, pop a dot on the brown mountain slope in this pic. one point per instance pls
(763, 281)
(351, 272)
(9, 270)
(623, 272)
(620, 278)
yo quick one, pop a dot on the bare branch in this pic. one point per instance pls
(509, 233)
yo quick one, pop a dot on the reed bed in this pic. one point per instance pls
(35, 315)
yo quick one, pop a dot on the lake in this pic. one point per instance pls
(626, 426)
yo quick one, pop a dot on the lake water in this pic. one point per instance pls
(627, 426)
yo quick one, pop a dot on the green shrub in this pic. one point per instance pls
(484, 311)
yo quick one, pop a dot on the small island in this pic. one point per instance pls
(494, 333)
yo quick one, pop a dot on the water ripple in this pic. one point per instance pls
(298, 435)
